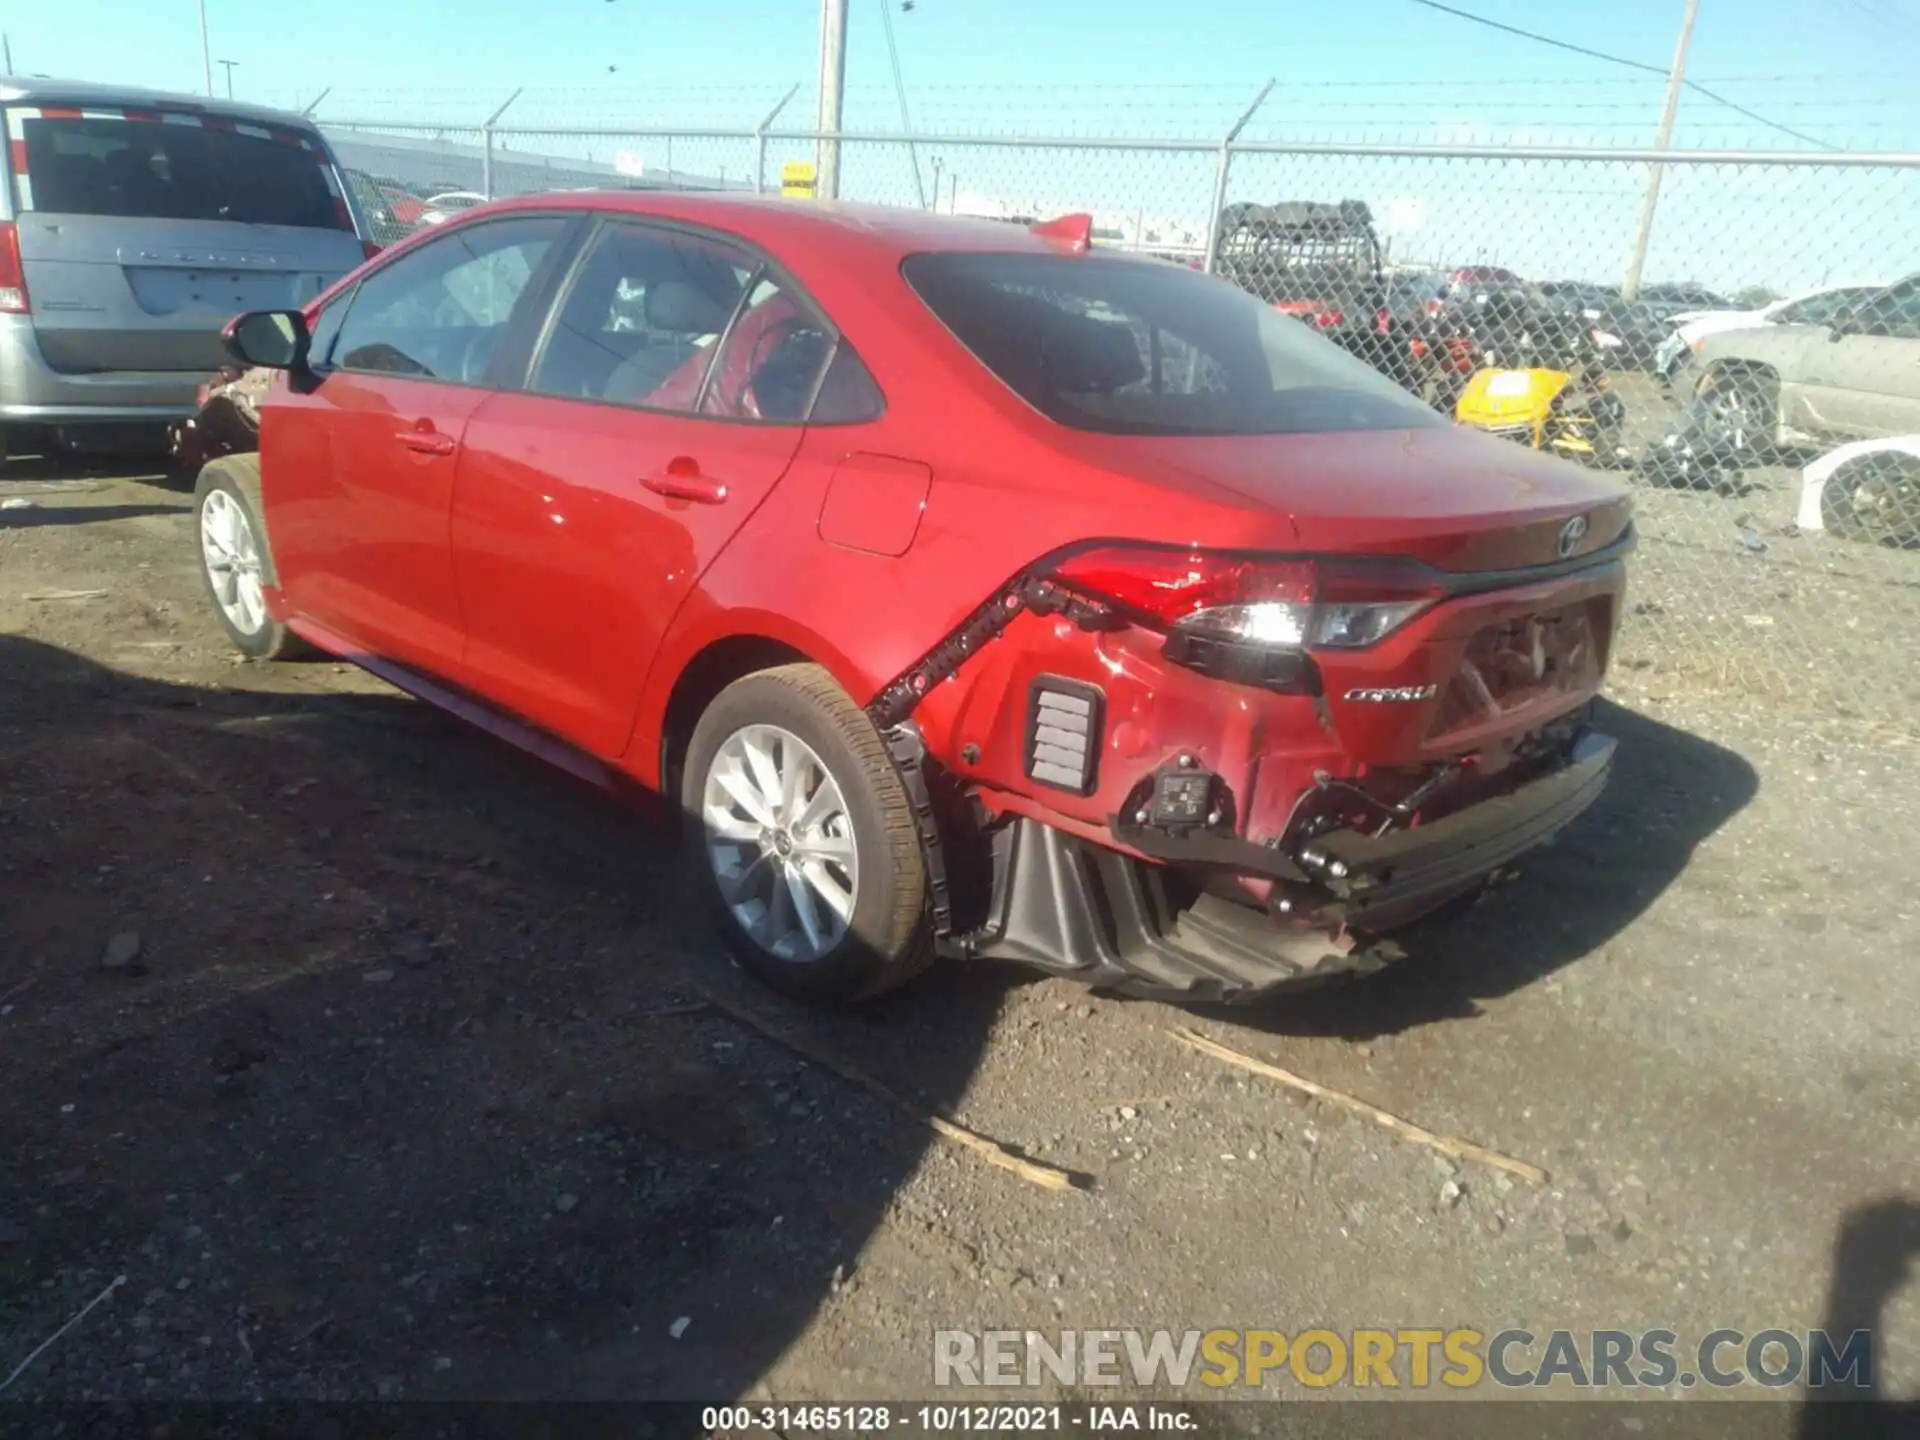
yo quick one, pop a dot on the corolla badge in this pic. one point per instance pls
(1571, 534)
(1392, 694)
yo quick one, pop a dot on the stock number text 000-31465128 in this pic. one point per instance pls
(927, 1419)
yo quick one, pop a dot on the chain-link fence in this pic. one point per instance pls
(1756, 380)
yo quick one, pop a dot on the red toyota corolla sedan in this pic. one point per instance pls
(971, 591)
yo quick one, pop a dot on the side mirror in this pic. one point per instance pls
(272, 339)
(1845, 323)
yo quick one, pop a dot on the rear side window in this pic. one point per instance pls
(662, 320)
(1136, 347)
(639, 324)
(171, 167)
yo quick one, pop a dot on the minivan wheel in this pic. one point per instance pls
(234, 559)
(800, 828)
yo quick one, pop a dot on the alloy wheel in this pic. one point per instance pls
(231, 555)
(781, 843)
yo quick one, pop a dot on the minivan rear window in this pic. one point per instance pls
(1136, 347)
(183, 167)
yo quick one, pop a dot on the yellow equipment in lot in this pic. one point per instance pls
(1576, 416)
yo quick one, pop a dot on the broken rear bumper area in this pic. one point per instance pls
(1108, 919)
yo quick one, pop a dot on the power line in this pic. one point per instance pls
(1692, 85)
(900, 90)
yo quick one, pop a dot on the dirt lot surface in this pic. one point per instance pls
(399, 1084)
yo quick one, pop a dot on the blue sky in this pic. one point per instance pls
(1121, 59)
(1845, 71)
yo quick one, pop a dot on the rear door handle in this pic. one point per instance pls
(423, 439)
(682, 480)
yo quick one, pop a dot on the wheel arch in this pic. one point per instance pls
(691, 674)
(1738, 368)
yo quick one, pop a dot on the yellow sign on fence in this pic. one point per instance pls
(797, 179)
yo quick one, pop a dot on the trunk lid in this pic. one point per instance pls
(142, 233)
(1456, 499)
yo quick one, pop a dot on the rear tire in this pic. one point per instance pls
(236, 562)
(799, 828)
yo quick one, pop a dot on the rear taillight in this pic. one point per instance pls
(1237, 615)
(13, 279)
(1434, 307)
(1382, 322)
(371, 248)
(1327, 319)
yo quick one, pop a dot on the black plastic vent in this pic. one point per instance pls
(1064, 733)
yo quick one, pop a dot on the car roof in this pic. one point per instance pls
(879, 231)
(88, 94)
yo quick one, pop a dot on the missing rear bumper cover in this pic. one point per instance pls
(1064, 730)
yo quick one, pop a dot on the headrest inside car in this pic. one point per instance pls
(681, 309)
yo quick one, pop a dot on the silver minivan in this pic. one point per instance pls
(133, 226)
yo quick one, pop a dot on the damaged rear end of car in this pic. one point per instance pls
(1354, 689)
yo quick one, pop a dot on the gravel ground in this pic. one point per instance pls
(372, 1055)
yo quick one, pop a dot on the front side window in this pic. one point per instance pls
(1137, 347)
(440, 311)
(151, 169)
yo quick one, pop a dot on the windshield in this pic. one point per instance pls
(1142, 348)
(151, 169)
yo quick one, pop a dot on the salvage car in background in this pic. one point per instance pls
(911, 648)
(133, 226)
(1776, 386)
(380, 208)
(1673, 361)
(1540, 379)
(1868, 490)
(438, 209)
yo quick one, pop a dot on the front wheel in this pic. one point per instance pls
(234, 559)
(1737, 415)
(801, 830)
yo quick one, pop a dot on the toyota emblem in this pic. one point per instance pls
(1571, 534)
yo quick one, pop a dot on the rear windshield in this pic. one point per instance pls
(177, 170)
(1139, 347)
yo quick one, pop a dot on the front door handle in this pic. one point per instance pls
(423, 439)
(682, 480)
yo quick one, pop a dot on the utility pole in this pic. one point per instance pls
(833, 95)
(6, 43)
(936, 183)
(206, 51)
(229, 64)
(1630, 288)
